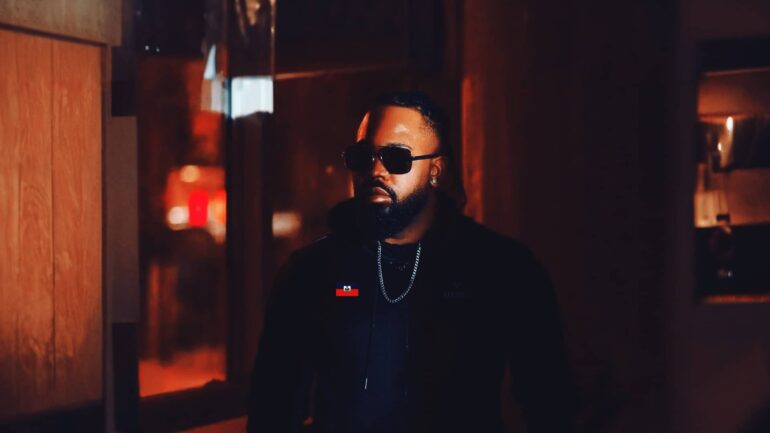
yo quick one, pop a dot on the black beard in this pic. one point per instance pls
(385, 220)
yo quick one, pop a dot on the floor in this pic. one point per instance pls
(237, 425)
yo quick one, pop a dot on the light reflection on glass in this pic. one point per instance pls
(286, 224)
(183, 327)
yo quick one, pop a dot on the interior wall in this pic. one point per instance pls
(494, 63)
(91, 20)
(719, 355)
(724, 93)
(602, 169)
(569, 102)
(50, 206)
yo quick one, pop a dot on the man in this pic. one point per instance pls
(403, 318)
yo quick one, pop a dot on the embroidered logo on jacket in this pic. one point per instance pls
(347, 290)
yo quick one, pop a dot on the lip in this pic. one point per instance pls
(377, 195)
(378, 191)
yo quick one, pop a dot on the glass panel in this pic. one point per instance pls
(732, 210)
(183, 215)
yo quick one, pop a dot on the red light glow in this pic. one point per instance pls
(198, 205)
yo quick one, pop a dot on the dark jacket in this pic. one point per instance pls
(480, 302)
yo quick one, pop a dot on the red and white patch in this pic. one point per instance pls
(346, 291)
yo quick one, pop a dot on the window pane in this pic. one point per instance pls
(182, 217)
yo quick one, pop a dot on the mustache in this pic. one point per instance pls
(372, 183)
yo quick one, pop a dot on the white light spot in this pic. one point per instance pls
(189, 173)
(218, 231)
(286, 224)
(177, 216)
(730, 123)
(210, 72)
(251, 95)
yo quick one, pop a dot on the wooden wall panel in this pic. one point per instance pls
(9, 222)
(77, 227)
(50, 224)
(35, 368)
(27, 328)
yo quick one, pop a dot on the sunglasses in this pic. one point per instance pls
(360, 157)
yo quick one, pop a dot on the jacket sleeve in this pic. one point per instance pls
(541, 380)
(282, 370)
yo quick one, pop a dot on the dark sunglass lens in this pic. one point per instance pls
(358, 158)
(396, 160)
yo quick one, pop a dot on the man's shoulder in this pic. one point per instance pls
(311, 254)
(482, 238)
(321, 254)
(506, 263)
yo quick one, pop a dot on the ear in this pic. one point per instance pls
(437, 166)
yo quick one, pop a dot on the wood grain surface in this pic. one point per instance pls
(91, 20)
(50, 224)
(9, 222)
(77, 226)
(35, 345)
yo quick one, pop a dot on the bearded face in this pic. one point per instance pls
(384, 219)
(387, 203)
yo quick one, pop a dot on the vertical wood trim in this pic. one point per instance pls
(35, 368)
(9, 228)
(473, 141)
(77, 227)
(26, 292)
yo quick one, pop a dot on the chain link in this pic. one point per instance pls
(382, 281)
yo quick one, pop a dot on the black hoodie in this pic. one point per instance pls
(432, 362)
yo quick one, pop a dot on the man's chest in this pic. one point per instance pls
(448, 318)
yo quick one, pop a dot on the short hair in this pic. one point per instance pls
(438, 121)
(435, 117)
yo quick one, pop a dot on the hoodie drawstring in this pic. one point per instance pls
(369, 343)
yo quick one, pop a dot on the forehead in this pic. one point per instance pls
(397, 125)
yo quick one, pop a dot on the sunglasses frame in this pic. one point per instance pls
(377, 154)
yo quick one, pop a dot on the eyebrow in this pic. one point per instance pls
(398, 145)
(390, 144)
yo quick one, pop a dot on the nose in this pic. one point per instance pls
(378, 170)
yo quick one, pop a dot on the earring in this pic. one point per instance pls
(433, 181)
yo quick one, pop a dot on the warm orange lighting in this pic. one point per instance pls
(737, 299)
(187, 370)
(189, 173)
(218, 207)
(195, 197)
(286, 224)
(207, 126)
(473, 137)
(164, 367)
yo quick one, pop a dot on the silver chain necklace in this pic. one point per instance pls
(382, 281)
